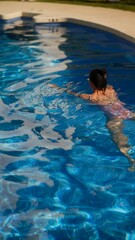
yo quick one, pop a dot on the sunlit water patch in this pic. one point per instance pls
(62, 177)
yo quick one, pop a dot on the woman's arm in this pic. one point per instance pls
(56, 86)
(81, 95)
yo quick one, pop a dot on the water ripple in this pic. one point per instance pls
(61, 176)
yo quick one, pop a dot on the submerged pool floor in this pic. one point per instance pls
(62, 176)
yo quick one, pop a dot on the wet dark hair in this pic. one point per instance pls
(98, 78)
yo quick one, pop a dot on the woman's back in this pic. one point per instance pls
(104, 97)
(111, 104)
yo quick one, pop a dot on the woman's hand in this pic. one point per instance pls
(53, 85)
(56, 86)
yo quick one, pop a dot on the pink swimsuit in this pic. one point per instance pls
(113, 106)
(116, 109)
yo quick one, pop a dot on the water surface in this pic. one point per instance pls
(62, 177)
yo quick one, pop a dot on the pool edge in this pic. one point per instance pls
(37, 17)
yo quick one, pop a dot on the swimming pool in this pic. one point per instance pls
(62, 177)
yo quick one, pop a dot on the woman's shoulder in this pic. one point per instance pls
(110, 90)
(110, 87)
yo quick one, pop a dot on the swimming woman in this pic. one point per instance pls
(106, 97)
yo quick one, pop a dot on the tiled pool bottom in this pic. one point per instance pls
(62, 177)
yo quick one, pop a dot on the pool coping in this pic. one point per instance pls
(53, 15)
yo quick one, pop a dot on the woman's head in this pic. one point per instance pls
(98, 79)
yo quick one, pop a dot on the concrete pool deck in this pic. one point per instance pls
(117, 21)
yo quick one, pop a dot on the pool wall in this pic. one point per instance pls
(6, 20)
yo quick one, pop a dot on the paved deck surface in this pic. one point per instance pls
(122, 22)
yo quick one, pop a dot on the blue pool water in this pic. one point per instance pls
(61, 175)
